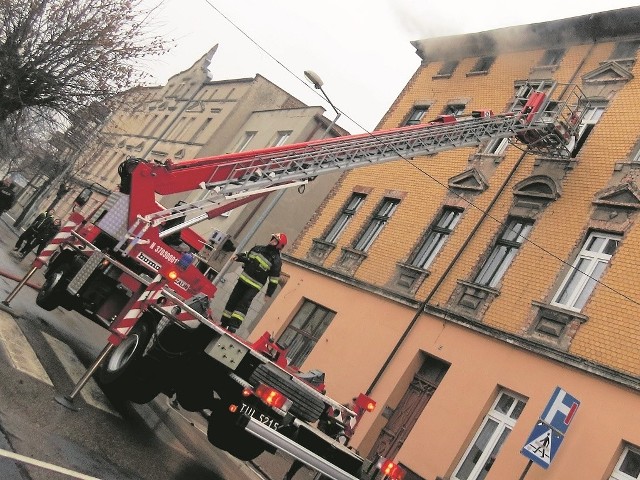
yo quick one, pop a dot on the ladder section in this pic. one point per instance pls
(307, 161)
(538, 123)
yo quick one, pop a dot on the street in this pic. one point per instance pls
(44, 354)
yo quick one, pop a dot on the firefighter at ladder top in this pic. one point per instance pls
(262, 264)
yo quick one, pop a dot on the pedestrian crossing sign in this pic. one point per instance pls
(542, 444)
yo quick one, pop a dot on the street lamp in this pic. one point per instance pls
(317, 84)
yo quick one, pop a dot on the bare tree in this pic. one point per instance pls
(60, 56)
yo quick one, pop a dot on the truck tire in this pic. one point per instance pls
(53, 291)
(122, 375)
(306, 405)
(222, 432)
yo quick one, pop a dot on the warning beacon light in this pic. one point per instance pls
(391, 470)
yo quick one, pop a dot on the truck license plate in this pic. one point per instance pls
(249, 411)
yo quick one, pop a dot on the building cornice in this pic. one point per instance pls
(612, 24)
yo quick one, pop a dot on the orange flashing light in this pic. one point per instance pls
(270, 396)
(371, 406)
(172, 275)
(392, 470)
(233, 408)
(246, 392)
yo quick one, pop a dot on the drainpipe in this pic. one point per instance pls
(442, 278)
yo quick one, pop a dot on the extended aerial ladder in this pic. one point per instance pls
(540, 122)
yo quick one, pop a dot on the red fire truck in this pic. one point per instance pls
(130, 266)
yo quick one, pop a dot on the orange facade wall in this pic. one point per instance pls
(360, 338)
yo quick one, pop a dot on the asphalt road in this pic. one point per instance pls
(44, 354)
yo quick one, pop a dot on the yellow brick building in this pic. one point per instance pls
(460, 289)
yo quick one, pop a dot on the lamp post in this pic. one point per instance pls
(317, 83)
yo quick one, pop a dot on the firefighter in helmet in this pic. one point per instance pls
(262, 264)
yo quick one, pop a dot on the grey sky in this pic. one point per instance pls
(360, 48)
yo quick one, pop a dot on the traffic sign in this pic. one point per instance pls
(549, 431)
(560, 410)
(542, 444)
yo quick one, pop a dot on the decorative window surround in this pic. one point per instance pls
(320, 250)
(409, 278)
(473, 297)
(350, 260)
(555, 326)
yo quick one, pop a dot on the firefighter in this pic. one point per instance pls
(262, 265)
(7, 194)
(42, 222)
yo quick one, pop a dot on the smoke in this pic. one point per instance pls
(445, 32)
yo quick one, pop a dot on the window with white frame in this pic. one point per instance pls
(628, 467)
(379, 220)
(348, 211)
(304, 331)
(494, 430)
(436, 237)
(281, 138)
(589, 119)
(586, 270)
(503, 252)
(244, 141)
(497, 146)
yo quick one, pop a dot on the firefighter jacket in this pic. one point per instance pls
(42, 222)
(262, 264)
(7, 197)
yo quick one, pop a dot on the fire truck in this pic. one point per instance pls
(130, 266)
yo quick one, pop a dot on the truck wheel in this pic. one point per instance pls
(122, 375)
(53, 291)
(223, 433)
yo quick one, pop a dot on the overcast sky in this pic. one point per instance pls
(360, 48)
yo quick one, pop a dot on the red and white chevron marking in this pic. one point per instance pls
(74, 220)
(122, 325)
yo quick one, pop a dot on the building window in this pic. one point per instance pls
(493, 432)
(348, 211)
(504, 252)
(281, 138)
(161, 122)
(482, 65)
(244, 142)
(628, 467)
(436, 237)
(589, 119)
(379, 220)
(586, 270)
(200, 129)
(552, 57)
(497, 146)
(304, 331)
(416, 115)
(454, 109)
(625, 50)
(148, 125)
(447, 68)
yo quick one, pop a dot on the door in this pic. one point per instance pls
(406, 414)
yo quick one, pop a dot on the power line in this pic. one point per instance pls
(410, 162)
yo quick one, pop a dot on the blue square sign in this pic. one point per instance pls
(542, 444)
(560, 410)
